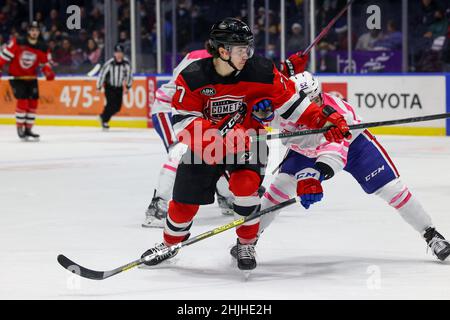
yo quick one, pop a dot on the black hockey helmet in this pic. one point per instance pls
(230, 32)
(34, 25)
(119, 48)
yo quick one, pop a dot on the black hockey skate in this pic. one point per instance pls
(234, 250)
(439, 246)
(163, 253)
(31, 134)
(245, 255)
(156, 213)
(21, 133)
(105, 125)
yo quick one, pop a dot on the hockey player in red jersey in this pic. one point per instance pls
(162, 121)
(214, 110)
(25, 56)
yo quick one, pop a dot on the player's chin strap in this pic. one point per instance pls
(231, 64)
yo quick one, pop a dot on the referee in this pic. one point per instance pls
(114, 76)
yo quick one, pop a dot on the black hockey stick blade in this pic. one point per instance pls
(73, 267)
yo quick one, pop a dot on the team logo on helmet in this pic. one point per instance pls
(27, 59)
(208, 91)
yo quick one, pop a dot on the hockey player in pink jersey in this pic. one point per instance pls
(312, 160)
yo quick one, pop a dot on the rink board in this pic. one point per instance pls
(381, 97)
(73, 101)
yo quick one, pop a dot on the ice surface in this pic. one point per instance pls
(83, 193)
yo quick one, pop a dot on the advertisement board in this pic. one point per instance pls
(75, 101)
(377, 98)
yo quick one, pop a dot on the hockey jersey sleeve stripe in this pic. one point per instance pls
(293, 112)
(181, 119)
(8, 53)
(162, 96)
(162, 100)
(167, 128)
(4, 57)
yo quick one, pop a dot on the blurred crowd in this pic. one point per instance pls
(76, 51)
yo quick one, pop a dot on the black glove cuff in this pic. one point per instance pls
(328, 110)
(290, 67)
(325, 170)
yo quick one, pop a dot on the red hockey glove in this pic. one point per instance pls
(48, 72)
(339, 129)
(309, 187)
(316, 117)
(295, 64)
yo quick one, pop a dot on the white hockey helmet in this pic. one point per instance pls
(308, 84)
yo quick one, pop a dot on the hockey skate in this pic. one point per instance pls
(245, 256)
(225, 204)
(156, 213)
(439, 246)
(104, 124)
(31, 134)
(234, 250)
(21, 133)
(162, 253)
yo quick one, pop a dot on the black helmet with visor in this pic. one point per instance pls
(229, 33)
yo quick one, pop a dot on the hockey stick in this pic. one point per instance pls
(94, 70)
(352, 127)
(327, 28)
(101, 275)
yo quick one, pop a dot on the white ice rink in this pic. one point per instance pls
(83, 193)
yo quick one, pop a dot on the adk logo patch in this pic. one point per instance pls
(208, 91)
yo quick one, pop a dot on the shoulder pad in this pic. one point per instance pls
(198, 73)
(258, 69)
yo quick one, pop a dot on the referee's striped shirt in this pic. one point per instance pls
(115, 73)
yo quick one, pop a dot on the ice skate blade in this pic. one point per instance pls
(246, 274)
(163, 264)
(29, 139)
(152, 226)
(228, 213)
(155, 223)
(146, 267)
